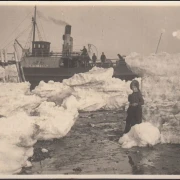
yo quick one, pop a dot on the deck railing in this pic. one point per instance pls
(10, 58)
(52, 54)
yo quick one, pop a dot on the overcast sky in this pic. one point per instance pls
(112, 29)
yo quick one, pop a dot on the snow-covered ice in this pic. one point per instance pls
(9, 73)
(141, 135)
(161, 90)
(51, 109)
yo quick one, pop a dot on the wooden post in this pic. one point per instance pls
(2, 57)
(17, 67)
(158, 43)
(5, 56)
(5, 63)
(142, 85)
(2, 60)
(22, 72)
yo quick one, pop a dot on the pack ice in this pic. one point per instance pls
(50, 110)
(9, 73)
(92, 90)
(161, 91)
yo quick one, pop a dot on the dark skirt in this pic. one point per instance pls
(134, 116)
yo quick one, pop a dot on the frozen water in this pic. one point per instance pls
(161, 90)
(141, 135)
(50, 110)
(9, 73)
(54, 121)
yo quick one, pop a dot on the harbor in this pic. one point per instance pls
(89, 90)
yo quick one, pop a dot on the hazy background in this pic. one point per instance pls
(111, 29)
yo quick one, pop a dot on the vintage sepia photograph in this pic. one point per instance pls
(90, 89)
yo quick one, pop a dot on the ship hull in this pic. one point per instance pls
(36, 74)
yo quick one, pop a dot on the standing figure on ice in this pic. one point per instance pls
(103, 58)
(94, 58)
(134, 112)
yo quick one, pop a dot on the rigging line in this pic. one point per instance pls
(39, 34)
(8, 44)
(26, 47)
(41, 25)
(16, 37)
(30, 35)
(23, 31)
(15, 29)
(28, 40)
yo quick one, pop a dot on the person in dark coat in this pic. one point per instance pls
(121, 58)
(134, 112)
(103, 58)
(84, 57)
(94, 58)
(84, 51)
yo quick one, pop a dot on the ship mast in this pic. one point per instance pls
(34, 24)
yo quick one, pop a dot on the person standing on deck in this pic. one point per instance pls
(134, 112)
(84, 51)
(121, 58)
(94, 58)
(84, 56)
(103, 58)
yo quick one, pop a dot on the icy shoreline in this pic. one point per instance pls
(161, 90)
(92, 147)
(51, 109)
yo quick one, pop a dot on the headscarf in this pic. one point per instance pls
(134, 83)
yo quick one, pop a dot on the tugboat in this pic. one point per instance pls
(43, 64)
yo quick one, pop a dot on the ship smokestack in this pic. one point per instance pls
(68, 41)
(67, 29)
